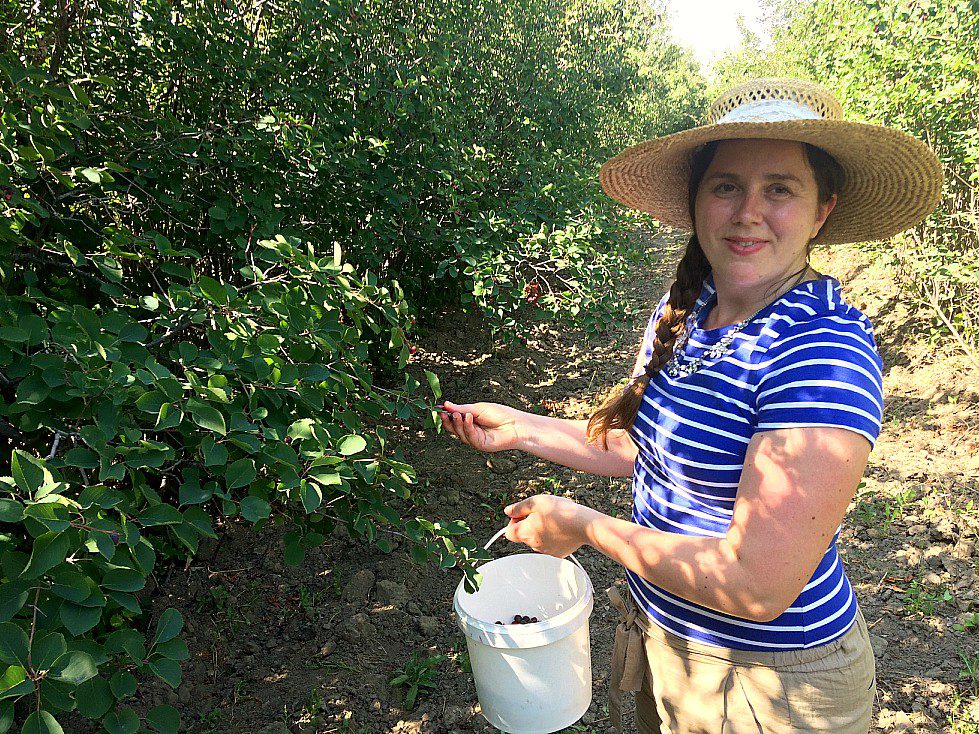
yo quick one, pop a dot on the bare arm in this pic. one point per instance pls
(794, 491)
(492, 427)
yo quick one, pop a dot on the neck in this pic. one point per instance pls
(732, 307)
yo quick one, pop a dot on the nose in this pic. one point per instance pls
(750, 208)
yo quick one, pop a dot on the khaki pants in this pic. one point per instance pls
(692, 688)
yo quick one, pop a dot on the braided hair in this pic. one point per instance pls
(619, 411)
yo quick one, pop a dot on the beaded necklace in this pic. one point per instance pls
(675, 369)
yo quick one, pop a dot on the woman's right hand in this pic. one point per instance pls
(484, 426)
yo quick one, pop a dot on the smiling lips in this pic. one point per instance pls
(744, 245)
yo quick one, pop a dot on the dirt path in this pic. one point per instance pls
(276, 649)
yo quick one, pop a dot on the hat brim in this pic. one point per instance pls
(892, 180)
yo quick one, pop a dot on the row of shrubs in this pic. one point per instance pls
(223, 227)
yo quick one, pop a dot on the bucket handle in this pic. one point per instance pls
(501, 531)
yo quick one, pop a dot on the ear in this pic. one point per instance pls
(822, 213)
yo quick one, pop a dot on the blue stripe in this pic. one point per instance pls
(809, 359)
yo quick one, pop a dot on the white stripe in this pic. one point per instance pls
(701, 483)
(688, 421)
(681, 439)
(819, 602)
(823, 383)
(829, 572)
(687, 387)
(807, 362)
(829, 406)
(691, 530)
(664, 483)
(726, 514)
(738, 623)
(773, 426)
(651, 477)
(834, 346)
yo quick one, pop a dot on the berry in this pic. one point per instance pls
(114, 537)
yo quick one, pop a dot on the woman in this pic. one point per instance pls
(753, 407)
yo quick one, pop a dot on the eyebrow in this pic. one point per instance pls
(769, 176)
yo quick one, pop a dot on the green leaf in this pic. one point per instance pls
(11, 511)
(79, 619)
(165, 719)
(123, 579)
(14, 682)
(433, 383)
(254, 509)
(352, 444)
(240, 474)
(74, 667)
(215, 454)
(325, 477)
(123, 684)
(82, 457)
(175, 649)
(50, 549)
(167, 670)
(41, 722)
(169, 626)
(52, 515)
(6, 715)
(13, 596)
(312, 496)
(123, 721)
(192, 493)
(91, 175)
(294, 554)
(129, 641)
(207, 416)
(160, 515)
(214, 291)
(94, 698)
(28, 472)
(46, 650)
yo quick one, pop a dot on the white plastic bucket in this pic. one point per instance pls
(532, 678)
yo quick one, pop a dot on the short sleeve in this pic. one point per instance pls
(824, 372)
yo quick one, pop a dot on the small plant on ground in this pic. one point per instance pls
(417, 673)
(968, 623)
(970, 671)
(918, 599)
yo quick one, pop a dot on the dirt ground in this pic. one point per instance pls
(277, 649)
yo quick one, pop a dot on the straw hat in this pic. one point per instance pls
(892, 180)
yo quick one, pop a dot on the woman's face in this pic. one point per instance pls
(756, 210)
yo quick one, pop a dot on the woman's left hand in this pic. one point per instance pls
(548, 524)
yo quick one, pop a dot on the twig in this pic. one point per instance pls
(54, 446)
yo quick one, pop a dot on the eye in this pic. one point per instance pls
(725, 187)
(781, 190)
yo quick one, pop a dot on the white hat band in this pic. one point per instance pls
(770, 110)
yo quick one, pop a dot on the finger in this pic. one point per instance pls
(458, 422)
(455, 407)
(519, 510)
(512, 532)
(469, 426)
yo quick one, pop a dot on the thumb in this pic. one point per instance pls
(519, 510)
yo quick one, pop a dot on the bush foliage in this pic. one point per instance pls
(220, 224)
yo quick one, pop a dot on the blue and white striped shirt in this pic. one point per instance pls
(808, 359)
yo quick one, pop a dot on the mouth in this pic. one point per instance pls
(744, 245)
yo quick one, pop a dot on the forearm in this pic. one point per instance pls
(706, 571)
(563, 441)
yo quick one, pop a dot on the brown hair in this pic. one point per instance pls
(619, 411)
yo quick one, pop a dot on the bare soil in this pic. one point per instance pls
(277, 649)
